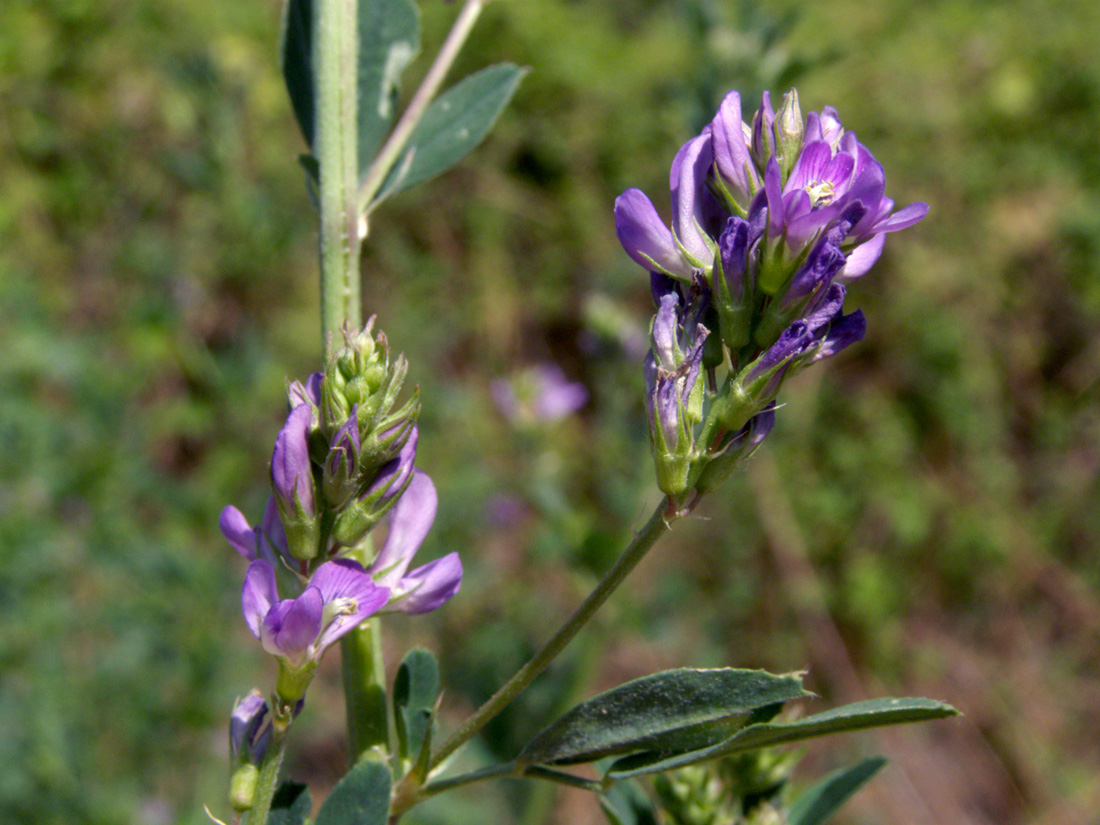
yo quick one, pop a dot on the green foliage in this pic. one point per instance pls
(818, 803)
(415, 692)
(454, 123)
(291, 805)
(668, 712)
(361, 798)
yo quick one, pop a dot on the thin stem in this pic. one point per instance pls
(659, 523)
(365, 692)
(268, 779)
(336, 141)
(508, 769)
(429, 87)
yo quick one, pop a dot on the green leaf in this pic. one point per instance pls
(414, 693)
(360, 798)
(452, 126)
(624, 803)
(389, 38)
(290, 805)
(821, 800)
(669, 712)
(295, 52)
(870, 714)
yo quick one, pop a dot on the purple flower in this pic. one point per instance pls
(248, 729)
(360, 514)
(267, 542)
(541, 393)
(427, 587)
(291, 469)
(340, 594)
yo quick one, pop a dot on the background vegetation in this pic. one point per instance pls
(923, 521)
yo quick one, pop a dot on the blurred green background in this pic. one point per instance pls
(923, 520)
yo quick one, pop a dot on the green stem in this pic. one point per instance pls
(365, 692)
(659, 523)
(335, 50)
(429, 87)
(268, 779)
(508, 769)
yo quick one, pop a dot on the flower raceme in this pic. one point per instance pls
(343, 461)
(771, 220)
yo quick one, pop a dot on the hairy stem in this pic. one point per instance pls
(335, 61)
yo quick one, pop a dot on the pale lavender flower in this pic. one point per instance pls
(340, 594)
(429, 586)
(539, 394)
(267, 541)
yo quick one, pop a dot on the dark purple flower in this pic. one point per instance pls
(646, 238)
(248, 729)
(427, 587)
(340, 594)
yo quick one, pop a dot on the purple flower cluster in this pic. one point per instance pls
(342, 463)
(770, 220)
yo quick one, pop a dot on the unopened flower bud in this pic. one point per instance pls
(788, 132)
(361, 514)
(293, 485)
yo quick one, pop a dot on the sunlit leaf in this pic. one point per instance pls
(669, 712)
(452, 126)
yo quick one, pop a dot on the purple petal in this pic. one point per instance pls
(810, 166)
(258, 595)
(237, 532)
(731, 150)
(297, 628)
(429, 587)
(645, 237)
(665, 326)
(862, 258)
(843, 332)
(248, 717)
(557, 397)
(291, 471)
(692, 204)
(272, 535)
(346, 579)
(409, 522)
(776, 214)
(392, 476)
(903, 218)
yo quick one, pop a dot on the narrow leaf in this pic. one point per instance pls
(624, 803)
(870, 714)
(821, 800)
(452, 126)
(669, 712)
(389, 38)
(295, 52)
(414, 693)
(290, 805)
(360, 798)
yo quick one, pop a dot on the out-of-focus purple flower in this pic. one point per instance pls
(267, 541)
(539, 394)
(427, 587)
(339, 596)
(248, 729)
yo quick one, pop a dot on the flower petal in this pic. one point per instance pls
(429, 587)
(238, 532)
(258, 595)
(409, 522)
(300, 625)
(645, 237)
